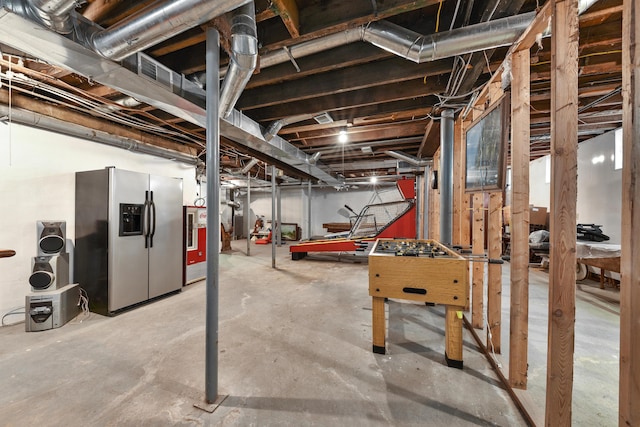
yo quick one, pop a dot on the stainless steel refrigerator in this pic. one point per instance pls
(128, 232)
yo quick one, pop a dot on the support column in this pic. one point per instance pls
(562, 238)
(418, 184)
(494, 274)
(446, 177)
(629, 398)
(426, 202)
(249, 213)
(519, 228)
(279, 216)
(477, 249)
(213, 214)
(458, 182)
(273, 217)
(309, 210)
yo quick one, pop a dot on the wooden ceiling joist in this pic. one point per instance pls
(288, 12)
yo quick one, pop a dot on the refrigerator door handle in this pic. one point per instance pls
(153, 221)
(146, 219)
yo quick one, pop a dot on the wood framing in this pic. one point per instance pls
(423, 143)
(562, 239)
(288, 11)
(519, 227)
(434, 202)
(458, 183)
(477, 284)
(494, 274)
(629, 397)
(465, 198)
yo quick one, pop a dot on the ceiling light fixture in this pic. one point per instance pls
(373, 179)
(342, 136)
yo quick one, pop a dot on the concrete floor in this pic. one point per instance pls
(294, 350)
(596, 349)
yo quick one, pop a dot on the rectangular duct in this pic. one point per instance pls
(323, 118)
(155, 71)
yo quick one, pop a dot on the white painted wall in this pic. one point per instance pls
(539, 189)
(37, 181)
(327, 204)
(599, 185)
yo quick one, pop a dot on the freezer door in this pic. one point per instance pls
(128, 257)
(165, 252)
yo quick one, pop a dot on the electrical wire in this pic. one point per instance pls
(438, 16)
(97, 105)
(493, 349)
(83, 303)
(85, 104)
(11, 313)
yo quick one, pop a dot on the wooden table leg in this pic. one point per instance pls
(379, 325)
(453, 337)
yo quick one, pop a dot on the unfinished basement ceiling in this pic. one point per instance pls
(342, 82)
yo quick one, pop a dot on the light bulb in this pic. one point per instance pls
(342, 136)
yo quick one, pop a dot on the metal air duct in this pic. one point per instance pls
(420, 48)
(249, 165)
(273, 128)
(409, 44)
(243, 58)
(413, 161)
(53, 14)
(156, 23)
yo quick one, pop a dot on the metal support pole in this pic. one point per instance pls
(309, 211)
(273, 217)
(425, 219)
(213, 214)
(418, 207)
(446, 177)
(279, 215)
(248, 213)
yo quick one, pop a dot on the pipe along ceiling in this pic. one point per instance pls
(158, 22)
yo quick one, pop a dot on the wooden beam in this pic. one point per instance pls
(427, 132)
(494, 274)
(321, 62)
(434, 202)
(268, 13)
(119, 11)
(26, 103)
(524, 42)
(411, 90)
(394, 130)
(98, 9)
(458, 180)
(288, 11)
(381, 73)
(539, 25)
(519, 226)
(322, 18)
(562, 239)
(423, 207)
(600, 15)
(477, 285)
(629, 397)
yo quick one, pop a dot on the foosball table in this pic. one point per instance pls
(419, 270)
